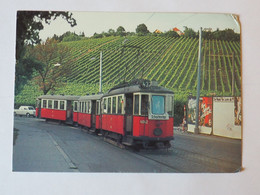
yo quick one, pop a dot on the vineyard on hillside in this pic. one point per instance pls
(170, 61)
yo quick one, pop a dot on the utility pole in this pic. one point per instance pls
(196, 129)
(100, 74)
(233, 74)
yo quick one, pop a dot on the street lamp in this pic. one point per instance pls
(57, 64)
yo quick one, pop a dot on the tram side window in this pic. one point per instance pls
(109, 106)
(85, 107)
(62, 105)
(89, 107)
(136, 105)
(144, 105)
(98, 108)
(44, 103)
(114, 105)
(105, 105)
(50, 104)
(170, 106)
(120, 104)
(80, 106)
(75, 107)
(56, 104)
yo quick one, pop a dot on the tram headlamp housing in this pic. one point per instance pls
(157, 131)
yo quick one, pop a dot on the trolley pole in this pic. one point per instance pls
(100, 74)
(196, 129)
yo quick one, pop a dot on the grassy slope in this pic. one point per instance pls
(170, 61)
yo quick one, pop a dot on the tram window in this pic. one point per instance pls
(85, 107)
(56, 104)
(80, 106)
(105, 105)
(89, 107)
(75, 106)
(109, 106)
(98, 108)
(44, 103)
(169, 106)
(136, 105)
(120, 104)
(82, 103)
(62, 105)
(144, 105)
(114, 105)
(49, 103)
(158, 104)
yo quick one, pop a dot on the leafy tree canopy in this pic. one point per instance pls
(29, 23)
(142, 29)
(120, 31)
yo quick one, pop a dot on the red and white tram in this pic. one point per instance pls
(57, 107)
(139, 114)
(89, 112)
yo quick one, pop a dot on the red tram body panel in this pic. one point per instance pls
(37, 112)
(142, 126)
(84, 119)
(53, 114)
(75, 116)
(113, 123)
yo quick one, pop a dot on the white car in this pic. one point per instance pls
(25, 110)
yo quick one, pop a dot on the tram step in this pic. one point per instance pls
(127, 143)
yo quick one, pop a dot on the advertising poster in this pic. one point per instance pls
(205, 112)
(191, 110)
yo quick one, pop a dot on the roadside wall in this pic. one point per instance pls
(221, 116)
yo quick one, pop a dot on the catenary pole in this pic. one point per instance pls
(100, 74)
(196, 129)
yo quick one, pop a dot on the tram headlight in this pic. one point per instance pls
(157, 131)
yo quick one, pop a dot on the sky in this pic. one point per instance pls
(98, 22)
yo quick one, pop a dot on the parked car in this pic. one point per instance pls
(25, 111)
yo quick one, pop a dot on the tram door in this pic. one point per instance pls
(129, 114)
(69, 111)
(38, 105)
(93, 113)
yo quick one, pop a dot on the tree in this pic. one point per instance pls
(170, 34)
(47, 54)
(111, 32)
(29, 24)
(142, 30)
(189, 32)
(120, 31)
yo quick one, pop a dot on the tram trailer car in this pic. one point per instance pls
(89, 112)
(138, 114)
(57, 107)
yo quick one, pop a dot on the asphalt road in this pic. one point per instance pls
(50, 147)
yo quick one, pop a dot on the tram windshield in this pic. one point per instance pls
(158, 104)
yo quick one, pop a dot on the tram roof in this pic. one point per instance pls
(60, 97)
(91, 97)
(138, 86)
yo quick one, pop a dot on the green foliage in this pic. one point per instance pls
(189, 32)
(120, 31)
(170, 61)
(170, 34)
(142, 30)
